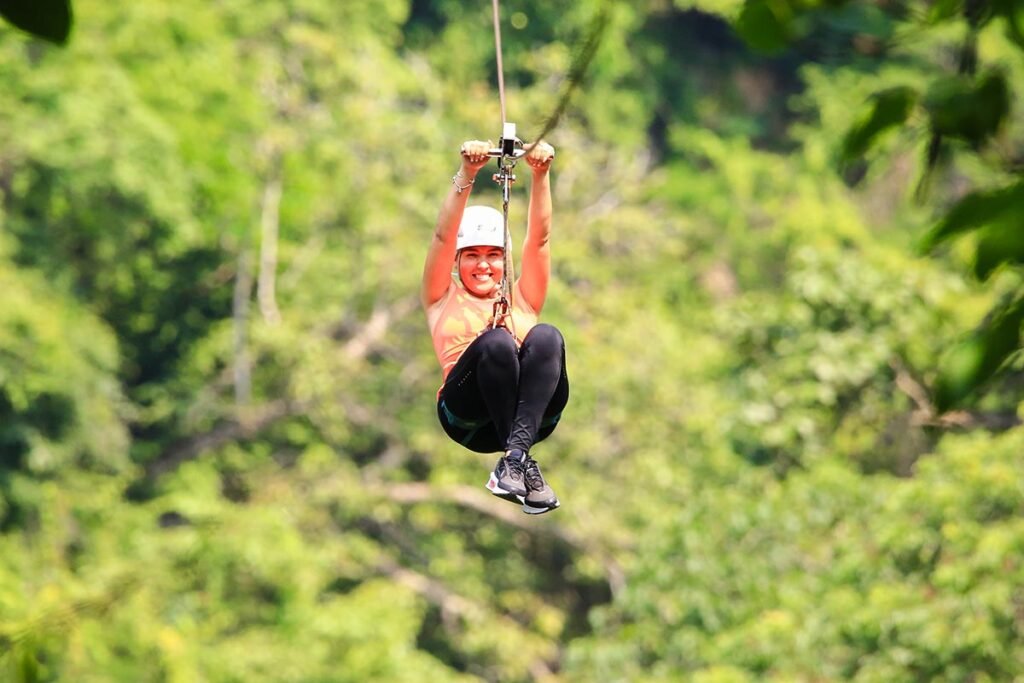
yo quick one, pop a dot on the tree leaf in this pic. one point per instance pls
(859, 20)
(942, 10)
(976, 360)
(999, 243)
(971, 111)
(47, 19)
(976, 210)
(1013, 13)
(766, 25)
(28, 666)
(889, 108)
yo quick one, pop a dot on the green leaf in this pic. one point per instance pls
(28, 667)
(976, 360)
(943, 10)
(976, 210)
(889, 108)
(971, 111)
(766, 25)
(1012, 13)
(47, 19)
(859, 20)
(999, 243)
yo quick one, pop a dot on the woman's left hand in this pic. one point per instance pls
(540, 157)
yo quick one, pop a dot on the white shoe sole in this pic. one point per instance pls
(530, 510)
(494, 487)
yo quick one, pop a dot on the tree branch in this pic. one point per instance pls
(358, 345)
(242, 367)
(253, 420)
(925, 415)
(434, 591)
(270, 219)
(60, 618)
(189, 448)
(451, 603)
(420, 492)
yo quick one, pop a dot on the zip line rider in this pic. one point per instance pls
(504, 381)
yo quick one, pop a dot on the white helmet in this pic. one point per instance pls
(481, 226)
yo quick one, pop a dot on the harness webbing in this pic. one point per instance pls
(508, 276)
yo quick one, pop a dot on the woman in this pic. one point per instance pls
(504, 387)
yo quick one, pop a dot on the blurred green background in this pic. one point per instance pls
(787, 262)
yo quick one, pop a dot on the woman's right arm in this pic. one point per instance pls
(438, 267)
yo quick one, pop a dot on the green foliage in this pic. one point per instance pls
(60, 402)
(766, 25)
(999, 243)
(820, 360)
(961, 108)
(973, 362)
(220, 458)
(976, 210)
(969, 106)
(831, 576)
(889, 108)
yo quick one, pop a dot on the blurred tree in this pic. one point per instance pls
(958, 105)
(208, 476)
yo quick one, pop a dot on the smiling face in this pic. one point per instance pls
(480, 269)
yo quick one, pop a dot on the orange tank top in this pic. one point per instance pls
(462, 317)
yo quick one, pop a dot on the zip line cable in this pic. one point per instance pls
(574, 76)
(497, 50)
(577, 69)
(511, 148)
(506, 161)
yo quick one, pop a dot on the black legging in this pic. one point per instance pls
(498, 397)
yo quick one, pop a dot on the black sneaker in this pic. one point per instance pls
(540, 498)
(508, 478)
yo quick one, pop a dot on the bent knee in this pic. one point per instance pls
(546, 336)
(498, 344)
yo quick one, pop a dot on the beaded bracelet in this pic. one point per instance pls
(455, 182)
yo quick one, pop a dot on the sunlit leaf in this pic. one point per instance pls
(960, 373)
(47, 19)
(974, 361)
(888, 108)
(999, 243)
(975, 210)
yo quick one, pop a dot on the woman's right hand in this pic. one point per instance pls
(475, 155)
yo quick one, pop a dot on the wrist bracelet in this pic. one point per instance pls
(455, 181)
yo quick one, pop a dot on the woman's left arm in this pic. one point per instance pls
(536, 265)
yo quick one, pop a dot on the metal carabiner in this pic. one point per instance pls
(509, 150)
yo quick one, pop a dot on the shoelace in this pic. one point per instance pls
(515, 468)
(533, 475)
